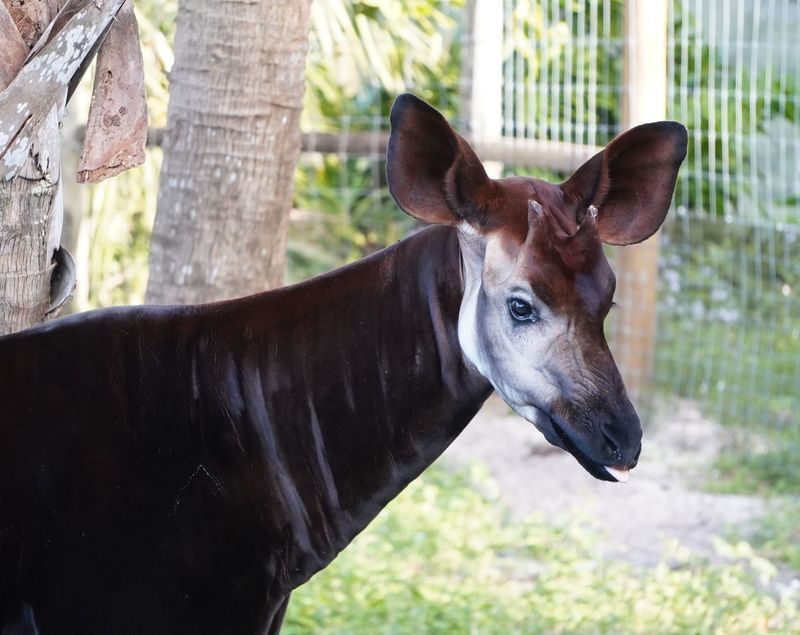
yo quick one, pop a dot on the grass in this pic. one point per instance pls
(770, 466)
(745, 380)
(777, 535)
(443, 559)
(729, 337)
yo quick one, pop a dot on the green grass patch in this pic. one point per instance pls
(443, 559)
(766, 465)
(744, 378)
(777, 535)
(729, 337)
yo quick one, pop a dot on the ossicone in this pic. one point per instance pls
(575, 243)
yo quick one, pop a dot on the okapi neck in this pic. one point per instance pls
(354, 383)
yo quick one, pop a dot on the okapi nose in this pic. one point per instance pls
(625, 442)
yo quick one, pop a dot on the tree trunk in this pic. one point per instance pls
(30, 229)
(36, 274)
(230, 149)
(25, 202)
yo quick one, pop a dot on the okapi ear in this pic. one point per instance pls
(433, 173)
(631, 181)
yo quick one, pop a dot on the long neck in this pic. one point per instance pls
(347, 387)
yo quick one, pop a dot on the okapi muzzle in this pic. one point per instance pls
(537, 285)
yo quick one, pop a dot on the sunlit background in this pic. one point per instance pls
(543, 83)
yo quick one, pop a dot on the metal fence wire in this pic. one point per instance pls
(728, 315)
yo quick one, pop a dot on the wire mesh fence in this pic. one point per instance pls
(554, 72)
(728, 310)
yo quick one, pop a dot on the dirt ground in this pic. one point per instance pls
(662, 502)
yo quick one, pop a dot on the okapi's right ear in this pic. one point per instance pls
(433, 173)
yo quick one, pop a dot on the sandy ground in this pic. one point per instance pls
(662, 502)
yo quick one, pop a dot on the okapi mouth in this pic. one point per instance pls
(593, 467)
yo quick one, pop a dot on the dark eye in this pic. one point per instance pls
(522, 311)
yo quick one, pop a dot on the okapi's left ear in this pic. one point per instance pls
(433, 173)
(631, 181)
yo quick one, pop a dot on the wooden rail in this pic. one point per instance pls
(557, 156)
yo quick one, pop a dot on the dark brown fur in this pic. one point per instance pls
(182, 469)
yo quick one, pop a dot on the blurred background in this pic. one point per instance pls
(707, 330)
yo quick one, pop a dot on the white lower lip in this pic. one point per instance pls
(620, 475)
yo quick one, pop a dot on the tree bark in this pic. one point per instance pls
(30, 229)
(230, 149)
(117, 128)
(36, 274)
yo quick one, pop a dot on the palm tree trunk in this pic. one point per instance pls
(30, 229)
(230, 149)
(36, 273)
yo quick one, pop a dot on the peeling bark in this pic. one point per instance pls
(13, 50)
(117, 129)
(66, 11)
(30, 226)
(230, 149)
(31, 107)
(32, 94)
(32, 17)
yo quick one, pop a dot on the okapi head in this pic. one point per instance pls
(537, 285)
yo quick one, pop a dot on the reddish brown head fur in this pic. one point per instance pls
(537, 284)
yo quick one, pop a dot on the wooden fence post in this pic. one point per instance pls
(644, 99)
(482, 95)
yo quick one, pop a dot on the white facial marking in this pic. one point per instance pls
(467, 327)
(511, 355)
(468, 229)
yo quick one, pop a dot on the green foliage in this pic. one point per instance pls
(442, 559)
(726, 106)
(551, 41)
(778, 533)
(762, 462)
(115, 232)
(729, 335)
(341, 215)
(118, 213)
(362, 54)
(730, 316)
(156, 32)
(157, 16)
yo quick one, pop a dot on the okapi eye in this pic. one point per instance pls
(522, 311)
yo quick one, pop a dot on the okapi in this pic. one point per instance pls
(182, 469)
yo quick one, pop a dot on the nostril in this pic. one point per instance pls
(623, 445)
(608, 435)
